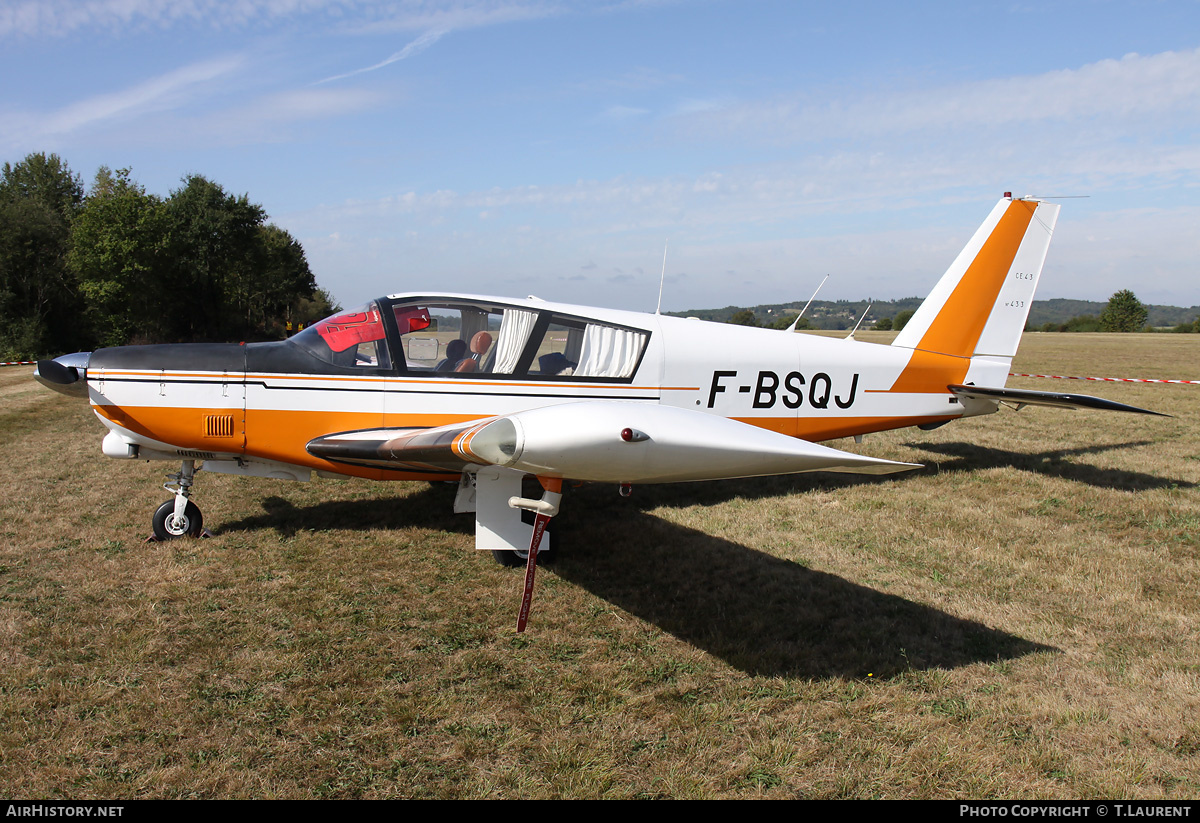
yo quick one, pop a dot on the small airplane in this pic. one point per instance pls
(489, 390)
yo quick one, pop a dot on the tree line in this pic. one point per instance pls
(117, 264)
(1123, 313)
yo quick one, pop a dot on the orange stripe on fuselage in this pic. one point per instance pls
(272, 434)
(182, 428)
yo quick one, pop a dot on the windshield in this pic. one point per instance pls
(457, 337)
(354, 338)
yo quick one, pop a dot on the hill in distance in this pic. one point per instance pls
(843, 314)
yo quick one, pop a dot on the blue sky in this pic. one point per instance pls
(552, 147)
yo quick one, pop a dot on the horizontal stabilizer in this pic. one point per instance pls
(1023, 397)
(600, 441)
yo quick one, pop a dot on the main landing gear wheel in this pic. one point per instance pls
(519, 558)
(168, 527)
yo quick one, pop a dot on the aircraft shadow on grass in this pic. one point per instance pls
(966, 457)
(963, 457)
(761, 614)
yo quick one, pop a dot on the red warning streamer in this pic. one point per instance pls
(1106, 379)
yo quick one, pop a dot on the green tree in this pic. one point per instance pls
(1083, 323)
(280, 288)
(46, 179)
(307, 310)
(39, 304)
(119, 255)
(883, 324)
(902, 319)
(1124, 313)
(124, 266)
(215, 249)
(745, 317)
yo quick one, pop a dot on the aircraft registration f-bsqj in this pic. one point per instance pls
(488, 390)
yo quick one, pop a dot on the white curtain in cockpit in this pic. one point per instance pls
(514, 332)
(609, 352)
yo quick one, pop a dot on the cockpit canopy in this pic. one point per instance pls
(453, 337)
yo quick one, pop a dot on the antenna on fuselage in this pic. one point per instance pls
(662, 278)
(850, 336)
(806, 305)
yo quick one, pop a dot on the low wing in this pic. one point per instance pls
(600, 441)
(429, 450)
(1060, 400)
(594, 440)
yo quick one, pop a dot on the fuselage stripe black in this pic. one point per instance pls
(391, 391)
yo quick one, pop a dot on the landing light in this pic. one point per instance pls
(496, 442)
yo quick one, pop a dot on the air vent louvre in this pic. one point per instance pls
(218, 425)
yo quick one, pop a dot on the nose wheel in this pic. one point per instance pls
(168, 525)
(179, 517)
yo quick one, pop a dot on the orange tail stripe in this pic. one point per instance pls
(930, 373)
(960, 322)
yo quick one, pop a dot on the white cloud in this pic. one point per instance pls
(889, 237)
(35, 18)
(263, 119)
(1125, 90)
(414, 48)
(619, 113)
(168, 91)
(312, 104)
(54, 18)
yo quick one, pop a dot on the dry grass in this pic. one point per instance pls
(1019, 619)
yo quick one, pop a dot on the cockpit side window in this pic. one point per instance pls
(573, 348)
(464, 338)
(454, 338)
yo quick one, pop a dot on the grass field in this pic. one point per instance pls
(1019, 619)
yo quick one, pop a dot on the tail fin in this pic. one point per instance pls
(979, 307)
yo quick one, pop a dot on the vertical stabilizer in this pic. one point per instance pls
(980, 305)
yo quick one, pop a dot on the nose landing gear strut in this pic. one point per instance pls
(179, 517)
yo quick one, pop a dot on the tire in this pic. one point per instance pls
(510, 558)
(165, 527)
(519, 558)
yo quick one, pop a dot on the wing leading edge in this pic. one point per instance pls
(599, 441)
